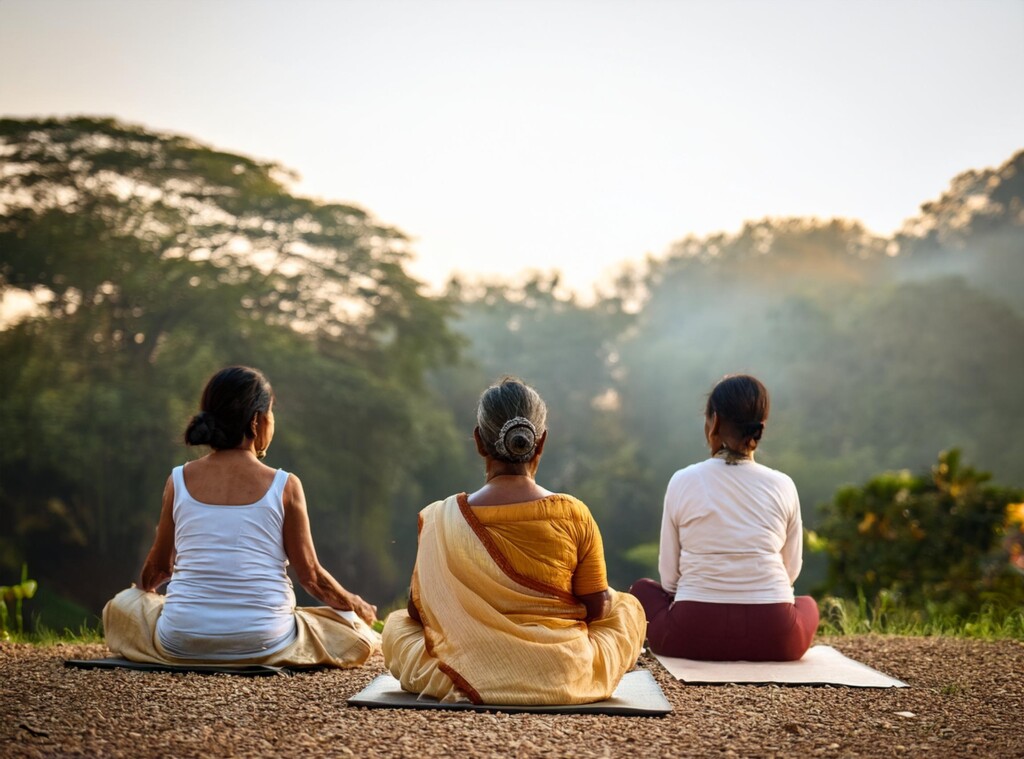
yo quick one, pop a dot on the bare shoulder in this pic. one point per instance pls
(293, 493)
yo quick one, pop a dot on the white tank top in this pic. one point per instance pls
(229, 596)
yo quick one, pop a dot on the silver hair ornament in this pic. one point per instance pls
(516, 421)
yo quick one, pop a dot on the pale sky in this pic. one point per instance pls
(558, 134)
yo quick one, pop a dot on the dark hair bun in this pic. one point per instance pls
(753, 430)
(202, 430)
(231, 399)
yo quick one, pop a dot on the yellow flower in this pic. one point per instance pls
(1015, 513)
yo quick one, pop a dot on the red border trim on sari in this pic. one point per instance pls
(502, 561)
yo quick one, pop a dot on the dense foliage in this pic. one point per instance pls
(153, 260)
(940, 538)
(156, 260)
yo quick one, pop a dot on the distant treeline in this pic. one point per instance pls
(155, 260)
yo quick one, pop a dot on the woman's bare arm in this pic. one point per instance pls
(160, 560)
(298, 544)
(598, 604)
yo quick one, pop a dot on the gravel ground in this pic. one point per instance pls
(966, 699)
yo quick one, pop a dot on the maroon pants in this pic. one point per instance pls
(726, 632)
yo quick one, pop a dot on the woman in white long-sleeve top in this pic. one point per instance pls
(731, 545)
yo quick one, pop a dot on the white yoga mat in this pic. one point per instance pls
(821, 665)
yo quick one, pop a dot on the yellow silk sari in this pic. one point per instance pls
(494, 636)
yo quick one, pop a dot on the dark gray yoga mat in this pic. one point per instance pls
(638, 695)
(249, 670)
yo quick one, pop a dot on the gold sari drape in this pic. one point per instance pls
(496, 637)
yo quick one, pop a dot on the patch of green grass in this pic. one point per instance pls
(57, 612)
(839, 616)
(46, 636)
(887, 616)
(951, 689)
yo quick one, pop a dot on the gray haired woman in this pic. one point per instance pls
(509, 600)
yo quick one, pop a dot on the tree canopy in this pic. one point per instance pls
(941, 538)
(154, 260)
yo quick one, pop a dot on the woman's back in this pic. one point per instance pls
(229, 526)
(228, 478)
(731, 533)
(229, 596)
(731, 544)
(746, 507)
(553, 540)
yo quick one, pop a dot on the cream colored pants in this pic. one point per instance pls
(323, 638)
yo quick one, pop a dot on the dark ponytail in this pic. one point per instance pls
(741, 403)
(752, 430)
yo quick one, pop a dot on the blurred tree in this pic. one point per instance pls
(761, 302)
(977, 202)
(934, 538)
(866, 372)
(567, 351)
(974, 230)
(155, 260)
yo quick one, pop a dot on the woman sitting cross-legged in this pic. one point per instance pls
(509, 600)
(229, 526)
(731, 542)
